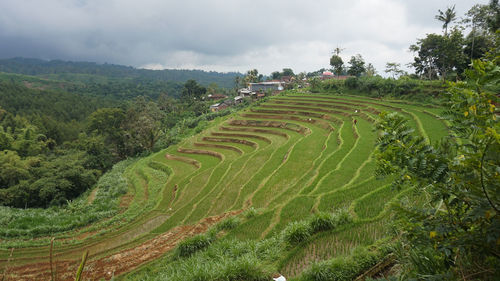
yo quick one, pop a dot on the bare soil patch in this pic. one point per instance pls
(117, 263)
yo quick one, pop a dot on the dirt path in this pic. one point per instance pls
(117, 263)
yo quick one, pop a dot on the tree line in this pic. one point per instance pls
(63, 70)
(54, 145)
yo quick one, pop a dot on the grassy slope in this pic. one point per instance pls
(324, 170)
(301, 160)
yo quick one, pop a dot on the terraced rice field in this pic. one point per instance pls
(287, 157)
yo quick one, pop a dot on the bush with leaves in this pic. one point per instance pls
(460, 225)
(196, 243)
(299, 231)
(228, 224)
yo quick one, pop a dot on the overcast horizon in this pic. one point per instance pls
(217, 35)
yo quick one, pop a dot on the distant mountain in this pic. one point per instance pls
(90, 71)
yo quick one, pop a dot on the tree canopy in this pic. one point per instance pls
(357, 66)
(440, 55)
(337, 63)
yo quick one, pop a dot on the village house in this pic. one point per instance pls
(218, 106)
(244, 92)
(327, 75)
(264, 86)
(238, 99)
(216, 97)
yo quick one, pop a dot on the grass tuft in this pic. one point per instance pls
(228, 224)
(194, 244)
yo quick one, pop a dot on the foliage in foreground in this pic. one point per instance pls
(457, 234)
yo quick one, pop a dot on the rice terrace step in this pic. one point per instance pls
(286, 158)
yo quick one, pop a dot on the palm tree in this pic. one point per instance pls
(446, 17)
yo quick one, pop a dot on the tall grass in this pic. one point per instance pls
(227, 259)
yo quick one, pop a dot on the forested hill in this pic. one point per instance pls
(90, 71)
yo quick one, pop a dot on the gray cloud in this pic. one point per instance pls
(216, 34)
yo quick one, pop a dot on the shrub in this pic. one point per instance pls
(299, 231)
(250, 213)
(351, 83)
(330, 85)
(296, 232)
(322, 222)
(228, 224)
(194, 244)
(247, 267)
(342, 216)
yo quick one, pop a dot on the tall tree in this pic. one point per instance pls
(393, 68)
(252, 76)
(275, 75)
(447, 17)
(237, 82)
(370, 70)
(338, 50)
(288, 72)
(493, 18)
(439, 55)
(357, 65)
(192, 91)
(484, 20)
(337, 64)
(213, 88)
(143, 126)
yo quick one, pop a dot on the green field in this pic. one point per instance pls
(288, 157)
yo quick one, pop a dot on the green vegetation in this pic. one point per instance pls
(55, 145)
(345, 268)
(456, 233)
(292, 183)
(88, 72)
(336, 162)
(190, 181)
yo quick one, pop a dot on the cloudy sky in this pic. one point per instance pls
(220, 35)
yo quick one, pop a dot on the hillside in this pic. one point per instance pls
(280, 161)
(103, 73)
